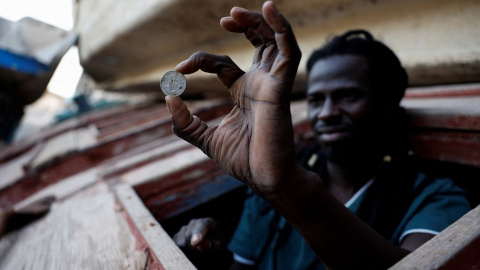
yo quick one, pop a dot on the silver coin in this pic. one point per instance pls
(173, 83)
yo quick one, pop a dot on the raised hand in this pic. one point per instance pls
(254, 142)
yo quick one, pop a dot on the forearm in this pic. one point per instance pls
(339, 238)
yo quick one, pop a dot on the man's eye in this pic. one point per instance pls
(349, 96)
(316, 101)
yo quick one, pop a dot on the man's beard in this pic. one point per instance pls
(351, 151)
(338, 152)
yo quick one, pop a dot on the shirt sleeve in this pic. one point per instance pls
(439, 205)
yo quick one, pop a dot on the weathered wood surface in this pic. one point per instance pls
(87, 175)
(456, 90)
(64, 188)
(14, 169)
(143, 155)
(52, 171)
(446, 122)
(160, 244)
(64, 144)
(178, 183)
(457, 147)
(85, 231)
(73, 123)
(445, 107)
(455, 248)
(138, 154)
(177, 162)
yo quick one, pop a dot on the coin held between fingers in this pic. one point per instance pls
(173, 83)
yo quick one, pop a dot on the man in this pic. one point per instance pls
(299, 217)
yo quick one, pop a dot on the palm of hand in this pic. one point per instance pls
(255, 133)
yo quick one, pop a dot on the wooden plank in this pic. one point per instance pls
(47, 173)
(63, 144)
(457, 90)
(37, 180)
(162, 246)
(456, 247)
(87, 231)
(120, 113)
(163, 167)
(58, 160)
(14, 169)
(158, 149)
(163, 184)
(73, 123)
(444, 106)
(64, 188)
(438, 118)
(206, 110)
(154, 150)
(185, 197)
(456, 147)
(126, 121)
(40, 186)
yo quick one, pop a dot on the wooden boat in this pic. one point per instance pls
(123, 184)
(30, 51)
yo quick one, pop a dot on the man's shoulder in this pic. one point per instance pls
(443, 177)
(431, 183)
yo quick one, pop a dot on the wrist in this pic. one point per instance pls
(296, 198)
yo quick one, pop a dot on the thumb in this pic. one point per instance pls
(185, 125)
(180, 114)
(196, 239)
(199, 237)
(200, 242)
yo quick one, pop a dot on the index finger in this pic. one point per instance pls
(227, 71)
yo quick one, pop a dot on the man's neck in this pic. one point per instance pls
(345, 180)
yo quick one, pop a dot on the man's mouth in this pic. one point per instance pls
(331, 133)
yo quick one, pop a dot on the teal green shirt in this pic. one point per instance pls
(265, 239)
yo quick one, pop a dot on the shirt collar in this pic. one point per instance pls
(359, 193)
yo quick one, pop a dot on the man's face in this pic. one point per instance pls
(341, 104)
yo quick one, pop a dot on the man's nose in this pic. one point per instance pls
(329, 110)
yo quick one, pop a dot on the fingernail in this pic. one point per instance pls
(195, 239)
(181, 64)
(273, 6)
(168, 104)
(239, 8)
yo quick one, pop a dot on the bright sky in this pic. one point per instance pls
(57, 13)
